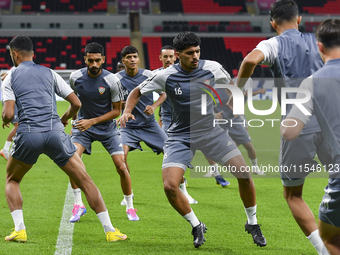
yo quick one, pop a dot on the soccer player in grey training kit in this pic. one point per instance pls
(145, 127)
(324, 88)
(190, 131)
(32, 89)
(101, 95)
(292, 56)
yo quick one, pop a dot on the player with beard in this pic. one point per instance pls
(100, 93)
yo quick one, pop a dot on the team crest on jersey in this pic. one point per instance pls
(207, 82)
(101, 90)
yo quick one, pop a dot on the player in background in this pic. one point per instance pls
(292, 56)
(120, 66)
(32, 89)
(190, 131)
(168, 58)
(100, 93)
(5, 151)
(324, 88)
(145, 127)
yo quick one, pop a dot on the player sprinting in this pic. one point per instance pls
(324, 87)
(145, 127)
(32, 89)
(191, 131)
(100, 93)
(292, 56)
(168, 58)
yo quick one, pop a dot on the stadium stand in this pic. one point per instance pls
(228, 51)
(66, 52)
(73, 6)
(203, 6)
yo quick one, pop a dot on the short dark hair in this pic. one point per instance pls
(284, 10)
(21, 43)
(328, 33)
(166, 47)
(128, 50)
(185, 40)
(94, 48)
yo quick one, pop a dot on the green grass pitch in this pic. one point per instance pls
(161, 229)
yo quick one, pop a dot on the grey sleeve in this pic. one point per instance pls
(295, 112)
(115, 88)
(156, 83)
(220, 74)
(61, 87)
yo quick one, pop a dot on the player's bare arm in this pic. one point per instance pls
(74, 107)
(8, 112)
(131, 102)
(291, 129)
(248, 65)
(85, 124)
(149, 109)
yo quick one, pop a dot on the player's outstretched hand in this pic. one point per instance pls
(5, 125)
(125, 118)
(84, 124)
(149, 110)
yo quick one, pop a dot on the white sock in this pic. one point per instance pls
(317, 243)
(77, 197)
(253, 162)
(129, 201)
(251, 215)
(214, 170)
(18, 218)
(105, 221)
(7, 145)
(183, 188)
(192, 219)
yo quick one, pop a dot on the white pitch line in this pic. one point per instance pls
(65, 237)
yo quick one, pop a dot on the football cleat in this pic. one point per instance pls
(131, 214)
(198, 233)
(191, 200)
(220, 180)
(257, 170)
(186, 182)
(17, 236)
(209, 174)
(77, 212)
(4, 154)
(123, 202)
(115, 236)
(255, 231)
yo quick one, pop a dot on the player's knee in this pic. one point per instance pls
(121, 169)
(170, 188)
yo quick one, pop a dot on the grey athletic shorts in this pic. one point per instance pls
(297, 156)
(27, 147)
(153, 136)
(216, 145)
(238, 133)
(108, 137)
(329, 210)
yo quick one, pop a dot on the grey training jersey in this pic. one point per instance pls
(324, 86)
(165, 106)
(184, 90)
(96, 94)
(292, 57)
(129, 83)
(33, 89)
